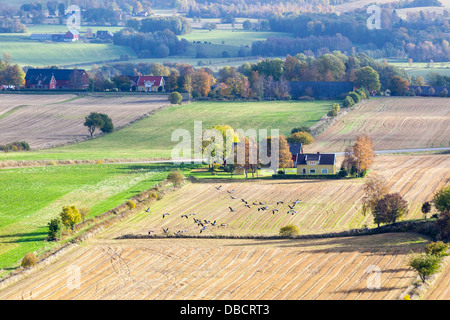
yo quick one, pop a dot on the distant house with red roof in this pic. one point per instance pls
(72, 35)
(56, 79)
(150, 84)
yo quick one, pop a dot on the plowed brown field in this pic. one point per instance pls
(45, 121)
(393, 123)
(228, 269)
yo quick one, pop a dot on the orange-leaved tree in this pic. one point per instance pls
(363, 153)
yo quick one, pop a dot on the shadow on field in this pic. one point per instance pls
(382, 243)
(23, 237)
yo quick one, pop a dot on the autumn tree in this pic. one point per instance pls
(237, 86)
(375, 188)
(256, 82)
(201, 83)
(390, 208)
(304, 138)
(11, 75)
(70, 216)
(217, 143)
(246, 155)
(291, 68)
(284, 154)
(334, 110)
(398, 85)
(172, 80)
(349, 160)
(363, 153)
(329, 67)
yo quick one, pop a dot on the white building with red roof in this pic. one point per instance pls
(151, 84)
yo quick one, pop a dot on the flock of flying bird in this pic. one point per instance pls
(205, 223)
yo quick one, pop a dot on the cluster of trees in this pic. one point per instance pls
(266, 80)
(246, 152)
(434, 79)
(12, 26)
(15, 146)
(68, 218)
(354, 97)
(384, 206)
(177, 24)
(311, 45)
(158, 44)
(388, 207)
(94, 11)
(421, 38)
(253, 9)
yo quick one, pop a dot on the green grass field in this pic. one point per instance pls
(31, 197)
(151, 137)
(229, 37)
(26, 52)
(422, 68)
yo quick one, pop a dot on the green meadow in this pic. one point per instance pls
(151, 136)
(26, 52)
(422, 68)
(41, 54)
(231, 37)
(31, 197)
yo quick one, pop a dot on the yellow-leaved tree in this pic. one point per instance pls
(70, 216)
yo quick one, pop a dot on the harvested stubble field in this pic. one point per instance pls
(393, 123)
(441, 287)
(45, 120)
(239, 268)
(326, 205)
(227, 269)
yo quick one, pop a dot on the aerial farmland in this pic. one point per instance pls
(110, 191)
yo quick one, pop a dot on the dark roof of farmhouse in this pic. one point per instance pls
(295, 148)
(34, 75)
(323, 158)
